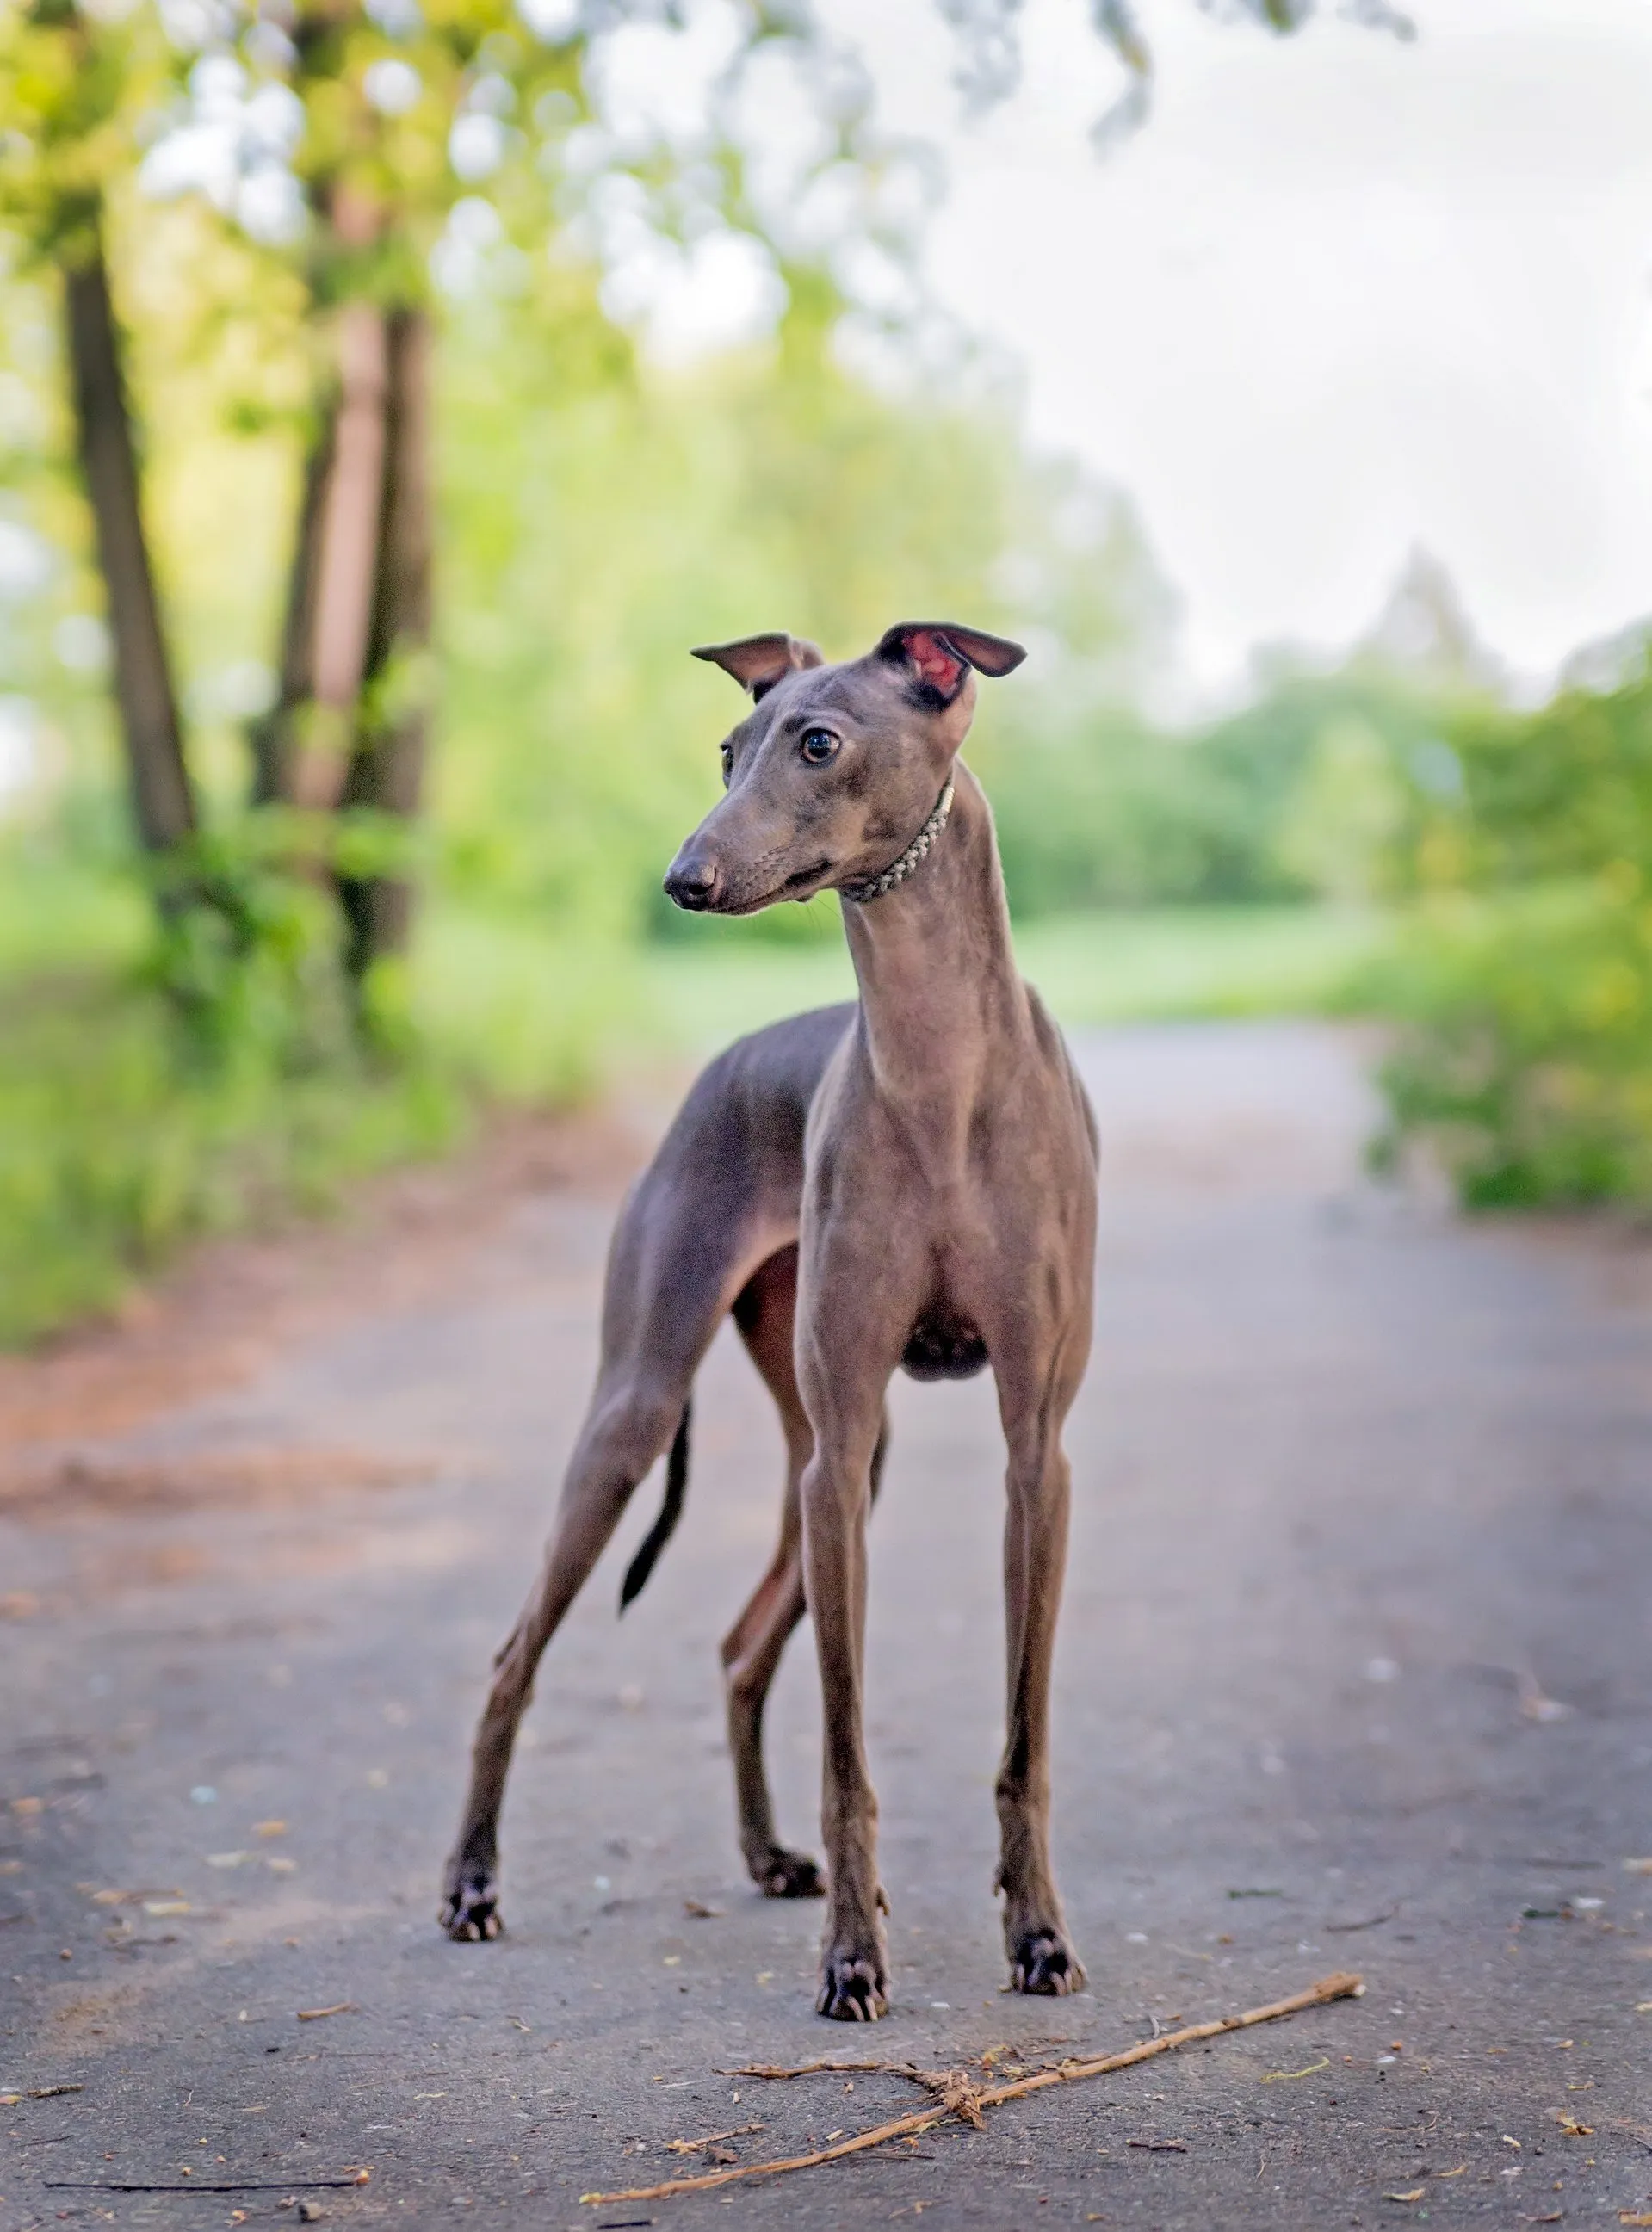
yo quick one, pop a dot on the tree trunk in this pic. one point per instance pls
(351, 503)
(275, 735)
(164, 803)
(387, 770)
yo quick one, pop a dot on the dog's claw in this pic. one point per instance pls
(783, 1874)
(1045, 1964)
(470, 1913)
(852, 1991)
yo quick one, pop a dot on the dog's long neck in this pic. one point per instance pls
(941, 999)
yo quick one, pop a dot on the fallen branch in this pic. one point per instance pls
(963, 2100)
(205, 2185)
(818, 2069)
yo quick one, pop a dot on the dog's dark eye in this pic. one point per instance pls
(728, 763)
(818, 746)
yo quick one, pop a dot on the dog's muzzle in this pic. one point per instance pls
(691, 881)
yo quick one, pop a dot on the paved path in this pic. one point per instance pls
(1355, 1668)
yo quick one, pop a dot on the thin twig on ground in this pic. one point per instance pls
(204, 2185)
(967, 2101)
(953, 2088)
(712, 2138)
(819, 2069)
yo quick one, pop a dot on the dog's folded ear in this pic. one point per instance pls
(757, 662)
(939, 652)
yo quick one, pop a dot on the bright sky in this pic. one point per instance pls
(1342, 295)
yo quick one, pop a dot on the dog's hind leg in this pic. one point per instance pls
(627, 1427)
(751, 1650)
(671, 1275)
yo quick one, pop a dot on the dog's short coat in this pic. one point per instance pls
(906, 1181)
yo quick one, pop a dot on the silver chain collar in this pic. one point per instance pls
(897, 871)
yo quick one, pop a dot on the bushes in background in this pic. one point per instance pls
(1523, 984)
(1297, 796)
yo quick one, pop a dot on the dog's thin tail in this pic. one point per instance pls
(671, 1511)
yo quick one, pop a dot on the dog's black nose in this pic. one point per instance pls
(691, 881)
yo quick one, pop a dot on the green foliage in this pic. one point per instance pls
(515, 1009)
(246, 949)
(1297, 796)
(1525, 1055)
(118, 1141)
(171, 1075)
(1510, 798)
(1524, 985)
(74, 92)
(203, 1075)
(63, 905)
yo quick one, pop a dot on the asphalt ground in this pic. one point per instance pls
(1355, 1671)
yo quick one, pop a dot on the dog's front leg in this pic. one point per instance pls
(1034, 1402)
(837, 1498)
(1039, 1360)
(857, 1296)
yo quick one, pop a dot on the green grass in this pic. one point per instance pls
(1091, 969)
(518, 1011)
(58, 915)
(116, 1146)
(1172, 961)
(120, 1140)
(697, 1000)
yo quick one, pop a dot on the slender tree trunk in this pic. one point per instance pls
(164, 803)
(347, 559)
(387, 770)
(275, 735)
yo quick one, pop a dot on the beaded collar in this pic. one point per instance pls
(897, 871)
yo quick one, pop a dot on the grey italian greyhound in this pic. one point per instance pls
(906, 1181)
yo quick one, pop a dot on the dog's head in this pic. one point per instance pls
(835, 769)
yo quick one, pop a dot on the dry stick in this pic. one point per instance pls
(693, 2146)
(967, 2100)
(933, 2078)
(779, 2069)
(202, 2185)
(819, 2069)
(952, 2087)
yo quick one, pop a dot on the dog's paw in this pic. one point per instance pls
(852, 1991)
(779, 1874)
(1044, 1963)
(471, 1910)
